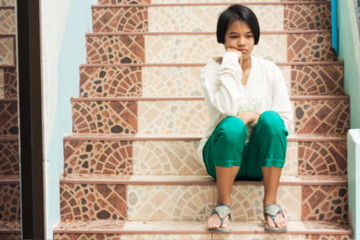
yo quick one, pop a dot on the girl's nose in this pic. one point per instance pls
(241, 41)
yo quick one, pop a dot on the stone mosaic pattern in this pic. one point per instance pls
(8, 118)
(115, 49)
(105, 117)
(166, 236)
(172, 117)
(155, 203)
(322, 158)
(327, 237)
(7, 2)
(7, 21)
(201, 48)
(98, 157)
(324, 203)
(10, 83)
(210, 1)
(305, 17)
(317, 80)
(110, 81)
(204, 19)
(10, 236)
(123, 1)
(86, 236)
(1, 83)
(10, 202)
(7, 51)
(309, 47)
(266, 236)
(9, 157)
(318, 116)
(171, 81)
(247, 202)
(167, 158)
(124, 19)
(88, 202)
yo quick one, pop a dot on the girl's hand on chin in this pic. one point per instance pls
(238, 53)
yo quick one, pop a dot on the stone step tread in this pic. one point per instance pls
(212, 4)
(193, 227)
(10, 227)
(199, 98)
(190, 137)
(174, 64)
(9, 179)
(198, 33)
(191, 180)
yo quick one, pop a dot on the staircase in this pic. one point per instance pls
(9, 146)
(130, 168)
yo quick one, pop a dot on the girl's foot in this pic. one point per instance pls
(219, 220)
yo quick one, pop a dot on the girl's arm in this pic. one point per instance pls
(223, 88)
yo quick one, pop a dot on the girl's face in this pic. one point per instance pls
(239, 36)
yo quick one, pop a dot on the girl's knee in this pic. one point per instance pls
(233, 129)
(271, 123)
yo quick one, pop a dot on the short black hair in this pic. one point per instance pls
(237, 12)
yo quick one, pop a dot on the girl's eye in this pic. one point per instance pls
(249, 36)
(233, 36)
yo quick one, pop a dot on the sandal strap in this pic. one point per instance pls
(272, 210)
(222, 211)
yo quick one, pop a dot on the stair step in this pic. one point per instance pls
(176, 155)
(10, 198)
(147, 198)
(196, 230)
(9, 155)
(136, 81)
(7, 18)
(7, 46)
(160, 115)
(190, 48)
(197, 16)
(8, 117)
(10, 230)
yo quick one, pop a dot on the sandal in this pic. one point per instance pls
(273, 210)
(222, 211)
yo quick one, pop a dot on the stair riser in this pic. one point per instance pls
(10, 202)
(10, 236)
(69, 236)
(184, 81)
(10, 83)
(303, 47)
(8, 118)
(195, 202)
(190, 117)
(7, 20)
(200, 18)
(179, 158)
(7, 52)
(9, 157)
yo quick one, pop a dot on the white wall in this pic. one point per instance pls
(63, 27)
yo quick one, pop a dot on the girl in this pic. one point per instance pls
(250, 118)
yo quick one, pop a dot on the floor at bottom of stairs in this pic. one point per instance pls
(108, 229)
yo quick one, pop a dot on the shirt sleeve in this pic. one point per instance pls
(281, 101)
(222, 88)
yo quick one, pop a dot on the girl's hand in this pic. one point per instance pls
(238, 53)
(248, 117)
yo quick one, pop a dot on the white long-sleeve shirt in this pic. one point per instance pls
(226, 96)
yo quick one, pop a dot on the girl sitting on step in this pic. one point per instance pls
(250, 118)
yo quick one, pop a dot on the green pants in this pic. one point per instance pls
(227, 146)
